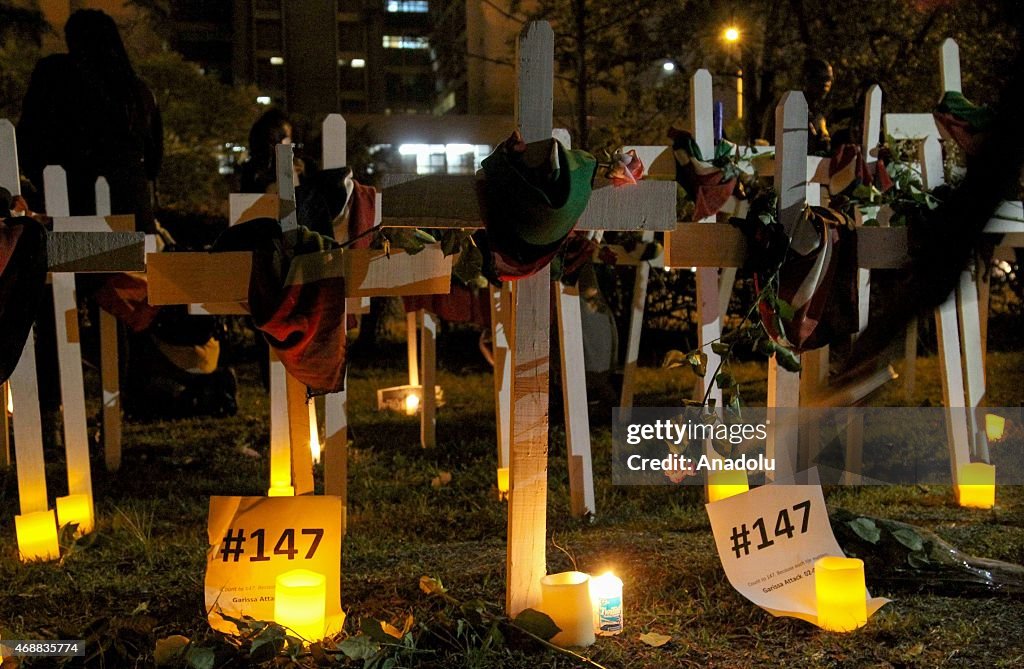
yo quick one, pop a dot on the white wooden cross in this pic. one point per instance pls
(450, 201)
(77, 244)
(219, 281)
(958, 321)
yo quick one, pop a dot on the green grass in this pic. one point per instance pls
(139, 577)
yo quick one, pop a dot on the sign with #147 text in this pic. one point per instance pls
(252, 540)
(768, 540)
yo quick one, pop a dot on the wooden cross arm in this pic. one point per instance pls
(450, 201)
(217, 278)
(722, 245)
(96, 251)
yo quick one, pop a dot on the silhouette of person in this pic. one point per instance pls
(87, 111)
(817, 84)
(258, 173)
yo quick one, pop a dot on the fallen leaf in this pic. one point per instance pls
(169, 649)
(442, 479)
(654, 639)
(431, 586)
(391, 630)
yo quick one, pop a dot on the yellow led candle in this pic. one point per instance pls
(281, 491)
(994, 426)
(606, 599)
(841, 593)
(300, 603)
(76, 509)
(976, 485)
(37, 536)
(502, 482)
(565, 598)
(723, 484)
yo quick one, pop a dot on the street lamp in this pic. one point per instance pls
(731, 35)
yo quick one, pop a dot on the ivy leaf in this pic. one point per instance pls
(908, 538)
(453, 241)
(359, 647)
(698, 361)
(787, 359)
(866, 529)
(784, 309)
(267, 645)
(918, 560)
(654, 639)
(674, 359)
(724, 380)
(537, 623)
(201, 658)
(720, 347)
(469, 264)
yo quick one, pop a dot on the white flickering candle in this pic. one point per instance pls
(565, 597)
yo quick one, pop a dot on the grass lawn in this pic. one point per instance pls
(139, 577)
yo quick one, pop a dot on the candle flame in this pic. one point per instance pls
(10, 399)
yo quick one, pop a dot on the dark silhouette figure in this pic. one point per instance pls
(87, 111)
(258, 172)
(817, 84)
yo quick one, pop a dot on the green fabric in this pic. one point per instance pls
(546, 200)
(978, 117)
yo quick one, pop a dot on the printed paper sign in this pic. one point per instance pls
(254, 539)
(768, 540)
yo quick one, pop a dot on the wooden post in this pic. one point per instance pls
(577, 412)
(790, 182)
(411, 336)
(11, 180)
(709, 317)
(69, 348)
(959, 420)
(428, 400)
(335, 453)
(853, 466)
(648, 154)
(501, 300)
(529, 347)
(109, 368)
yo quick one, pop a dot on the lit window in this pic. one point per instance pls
(358, 63)
(408, 6)
(263, 100)
(276, 60)
(404, 42)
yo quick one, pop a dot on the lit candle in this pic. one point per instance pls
(281, 491)
(976, 485)
(37, 536)
(994, 426)
(412, 403)
(606, 598)
(566, 598)
(841, 593)
(76, 509)
(300, 603)
(314, 435)
(502, 482)
(722, 484)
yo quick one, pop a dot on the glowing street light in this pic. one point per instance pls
(731, 34)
